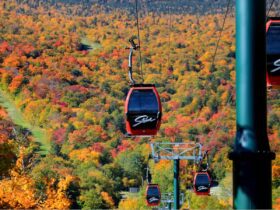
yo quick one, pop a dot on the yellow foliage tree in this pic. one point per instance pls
(57, 198)
(128, 204)
(108, 199)
(19, 190)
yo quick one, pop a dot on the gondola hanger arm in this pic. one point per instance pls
(132, 47)
(205, 155)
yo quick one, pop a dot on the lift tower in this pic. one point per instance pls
(177, 151)
(251, 156)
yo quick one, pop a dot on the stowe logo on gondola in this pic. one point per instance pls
(142, 120)
(200, 188)
(277, 64)
(153, 199)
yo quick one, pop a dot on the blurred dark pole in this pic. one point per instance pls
(251, 156)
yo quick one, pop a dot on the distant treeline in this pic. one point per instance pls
(202, 7)
(174, 6)
(89, 7)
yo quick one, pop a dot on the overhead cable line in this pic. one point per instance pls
(220, 35)
(231, 95)
(139, 43)
(169, 37)
(269, 8)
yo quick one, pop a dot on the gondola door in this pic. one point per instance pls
(273, 52)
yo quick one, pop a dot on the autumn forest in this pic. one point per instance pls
(63, 84)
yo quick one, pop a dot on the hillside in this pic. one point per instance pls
(68, 74)
(89, 7)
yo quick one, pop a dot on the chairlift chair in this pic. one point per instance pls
(202, 183)
(273, 52)
(143, 110)
(153, 195)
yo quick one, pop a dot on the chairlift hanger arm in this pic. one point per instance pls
(205, 155)
(132, 47)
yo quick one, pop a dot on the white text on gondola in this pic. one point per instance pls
(142, 119)
(277, 64)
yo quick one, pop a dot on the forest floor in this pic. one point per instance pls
(40, 135)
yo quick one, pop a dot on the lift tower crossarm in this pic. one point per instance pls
(177, 151)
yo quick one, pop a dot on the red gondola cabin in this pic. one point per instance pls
(273, 52)
(202, 183)
(153, 195)
(143, 110)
